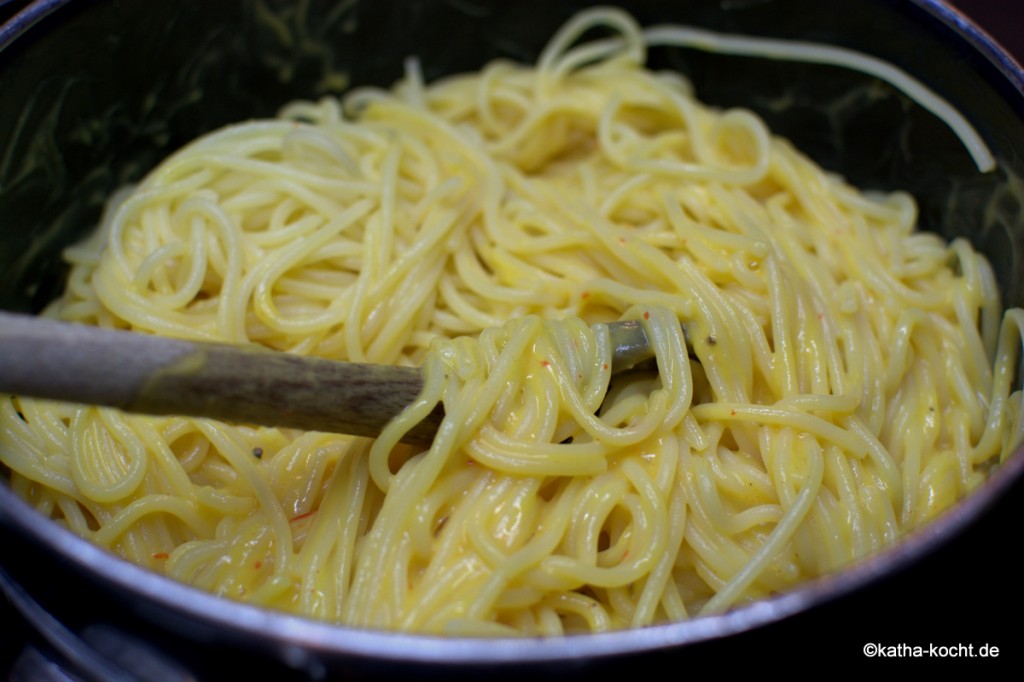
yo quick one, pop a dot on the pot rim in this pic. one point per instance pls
(298, 637)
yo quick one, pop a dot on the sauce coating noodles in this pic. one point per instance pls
(842, 379)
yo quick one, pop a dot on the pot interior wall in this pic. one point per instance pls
(89, 105)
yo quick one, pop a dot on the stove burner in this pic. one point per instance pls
(102, 652)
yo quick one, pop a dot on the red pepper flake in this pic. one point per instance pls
(622, 241)
(647, 315)
(732, 412)
(303, 516)
(605, 366)
(545, 363)
(258, 565)
(585, 295)
(160, 555)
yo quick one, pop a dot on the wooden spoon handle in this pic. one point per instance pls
(248, 384)
(243, 384)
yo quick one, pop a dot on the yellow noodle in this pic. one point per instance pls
(841, 381)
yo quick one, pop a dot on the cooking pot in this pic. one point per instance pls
(93, 93)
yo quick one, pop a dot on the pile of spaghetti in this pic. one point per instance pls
(841, 378)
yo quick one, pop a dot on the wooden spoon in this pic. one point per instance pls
(250, 384)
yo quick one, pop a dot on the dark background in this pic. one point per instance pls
(1001, 19)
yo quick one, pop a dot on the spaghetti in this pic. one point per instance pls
(842, 378)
